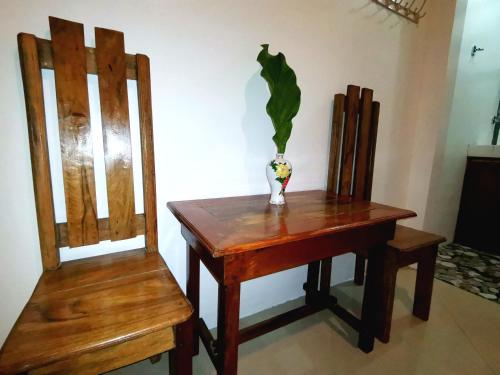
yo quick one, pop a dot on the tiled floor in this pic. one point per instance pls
(461, 337)
(475, 271)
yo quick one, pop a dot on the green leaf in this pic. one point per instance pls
(273, 165)
(284, 103)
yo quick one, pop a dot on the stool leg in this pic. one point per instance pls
(423, 286)
(359, 270)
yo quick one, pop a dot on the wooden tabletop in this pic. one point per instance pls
(237, 224)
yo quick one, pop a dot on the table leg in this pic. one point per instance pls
(386, 295)
(359, 270)
(193, 293)
(326, 273)
(311, 285)
(228, 319)
(371, 298)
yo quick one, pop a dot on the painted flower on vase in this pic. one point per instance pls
(283, 173)
(282, 170)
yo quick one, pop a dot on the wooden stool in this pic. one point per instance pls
(408, 246)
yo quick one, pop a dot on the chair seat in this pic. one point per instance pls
(408, 239)
(92, 304)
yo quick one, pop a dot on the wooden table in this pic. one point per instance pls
(242, 238)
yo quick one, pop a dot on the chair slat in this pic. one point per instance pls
(68, 53)
(363, 144)
(33, 92)
(46, 62)
(336, 138)
(111, 68)
(351, 122)
(373, 143)
(147, 147)
(104, 229)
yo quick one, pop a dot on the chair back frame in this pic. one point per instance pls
(352, 145)
(71, 61)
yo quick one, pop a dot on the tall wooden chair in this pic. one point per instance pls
(350, 176)
(93, 315)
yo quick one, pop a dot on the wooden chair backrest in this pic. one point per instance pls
(71, 61)
(353, 142)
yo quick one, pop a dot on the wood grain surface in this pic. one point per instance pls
(349, 140)
(147, 146)
(113, 357)
(35, 110)
(47, 62)
(238, 224)
(113, 95)
(363, 145)
(68, 51)
(91, 304)
(335, 143)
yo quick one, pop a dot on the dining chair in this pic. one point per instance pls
(95, 314)
(350, 177)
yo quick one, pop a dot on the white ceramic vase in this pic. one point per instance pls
(278, 173)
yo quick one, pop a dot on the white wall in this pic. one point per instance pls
(429, 107)
(481, 74)
(474, 102)
(212, 134)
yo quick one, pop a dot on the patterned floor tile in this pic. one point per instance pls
(469, 269)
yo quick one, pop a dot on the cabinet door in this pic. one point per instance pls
(478, 224)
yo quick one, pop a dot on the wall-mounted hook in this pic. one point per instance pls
(404, 8)
(476, 49)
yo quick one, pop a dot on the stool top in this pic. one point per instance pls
(409, 239)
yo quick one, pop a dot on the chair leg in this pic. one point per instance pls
(359, 270)
(423, 286)
(181, 357)
(311, 286)
(390, 271)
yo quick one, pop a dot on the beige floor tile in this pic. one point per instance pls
(462, 336)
